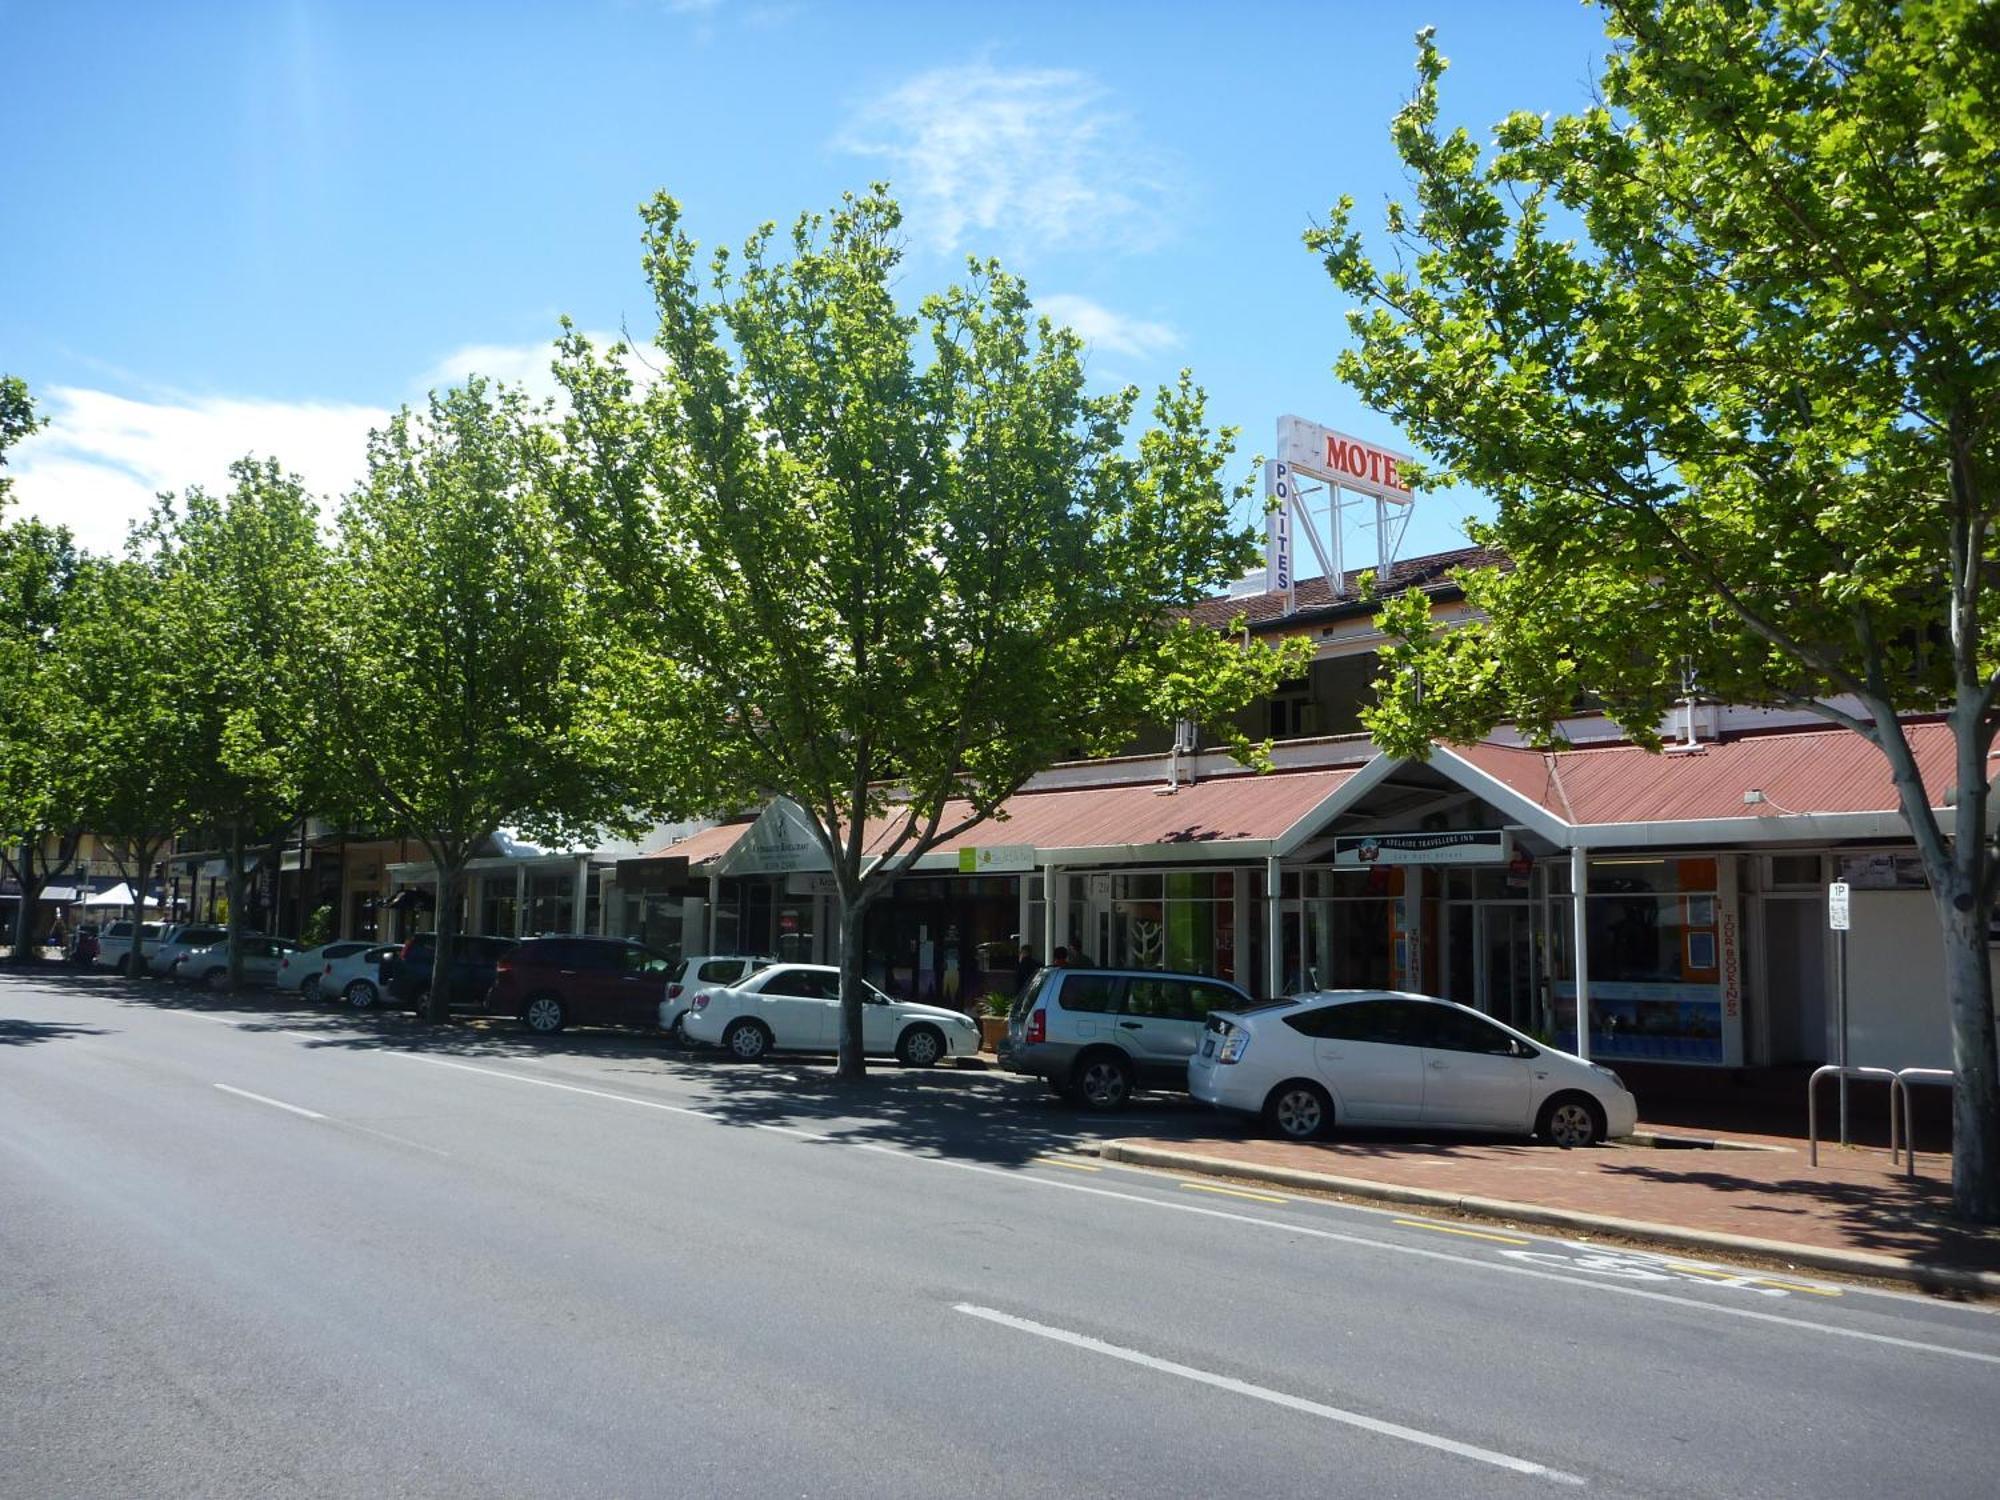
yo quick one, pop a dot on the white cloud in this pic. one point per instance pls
(525, 365)
(1036, 156)
(1104, 329)
(103, 457)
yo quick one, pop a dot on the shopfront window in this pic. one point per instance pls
(1656, 931)
(946, 940)
(551, 902)
(1184, 920)
(1355, 932)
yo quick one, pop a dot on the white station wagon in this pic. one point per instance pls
(796, 1008)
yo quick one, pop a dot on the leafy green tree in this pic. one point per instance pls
(869, 560)
(37, 562)
(39, 831)
(120, 710)
(465, 684)
(1722, 347)
(240, 576)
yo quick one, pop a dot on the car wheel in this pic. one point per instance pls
(746, 1040)
(360, 994)
(920, 1047)
(1570, 1120)
(677, 1033)
(1299, 1111)
(309, 991)
(216, 980)
(1103, 1082)
(124, 965)
(543, 1014)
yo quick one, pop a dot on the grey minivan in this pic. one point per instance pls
(1097, 1034)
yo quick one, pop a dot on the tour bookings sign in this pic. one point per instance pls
(1476, 846)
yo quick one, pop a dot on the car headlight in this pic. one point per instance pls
(1616, 1081)
(1233, 1047)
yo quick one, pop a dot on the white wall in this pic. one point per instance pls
(1895, 984)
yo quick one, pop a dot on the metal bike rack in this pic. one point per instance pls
(1900, 1086)
(1835, 1070)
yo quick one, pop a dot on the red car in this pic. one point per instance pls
(553, 982)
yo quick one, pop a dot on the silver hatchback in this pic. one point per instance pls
(1096, 1035)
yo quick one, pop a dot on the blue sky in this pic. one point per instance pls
(259, 227)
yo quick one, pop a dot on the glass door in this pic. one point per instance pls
(1504, 976)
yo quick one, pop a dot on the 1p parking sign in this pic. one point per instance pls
(1837, 916)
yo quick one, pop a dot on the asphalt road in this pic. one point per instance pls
(258, 1252)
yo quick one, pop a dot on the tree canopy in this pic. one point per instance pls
(467, 694)
(1722, 349)
(867, 557)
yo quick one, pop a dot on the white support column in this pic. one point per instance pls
(714, 904)
(1274, 928)
(1024, 914)
(1579, 886)
(520, 900)
(580, 899)
(1055, 912)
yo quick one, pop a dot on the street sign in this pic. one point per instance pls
(1837, 917)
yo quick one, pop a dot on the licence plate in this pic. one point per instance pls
(1208, 1046)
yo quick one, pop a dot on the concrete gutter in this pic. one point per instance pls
(1847, 1262)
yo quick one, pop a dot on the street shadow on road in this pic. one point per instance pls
(995, 1119)
(1889, 1215)
(27, 1033)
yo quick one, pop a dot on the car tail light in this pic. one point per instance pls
(503, 966)
(409, 949)
(328, 967)
(700, 1001)
(1038, 1027)
(674, 990)
(1234, 1046)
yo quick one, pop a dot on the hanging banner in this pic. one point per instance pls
(1473, 846)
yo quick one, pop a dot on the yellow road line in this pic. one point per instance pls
(1074, 1166)
(1789, 1286)
(1471, 1234)
(1209, 1187)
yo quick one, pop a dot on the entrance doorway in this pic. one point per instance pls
(1491, 960)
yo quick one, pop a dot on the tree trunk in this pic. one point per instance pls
(450, 881)
(1975, 1114)
(235, 939)
(142, 867)
(24, 915)
(853, 1065)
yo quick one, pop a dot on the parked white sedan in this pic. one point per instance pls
(302, 970)
(796, 1008)
(1379, 1057)
(209, 967)
(355, 978)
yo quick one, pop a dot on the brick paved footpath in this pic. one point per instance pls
(1853, 1200)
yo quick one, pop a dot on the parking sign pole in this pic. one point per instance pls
(1838, 918)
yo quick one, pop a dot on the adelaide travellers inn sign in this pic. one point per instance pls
(1472, 846)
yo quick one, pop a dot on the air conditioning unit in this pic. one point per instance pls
(1187, 737)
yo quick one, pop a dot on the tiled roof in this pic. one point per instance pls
(1431, 573)
(1798, 771)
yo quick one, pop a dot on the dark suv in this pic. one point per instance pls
(553, 982)
(408, 974)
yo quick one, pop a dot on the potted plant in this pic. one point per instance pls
(993, 1025)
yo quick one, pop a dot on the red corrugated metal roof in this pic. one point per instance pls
(709, 843)
(1222, 808)
(1802, 771)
